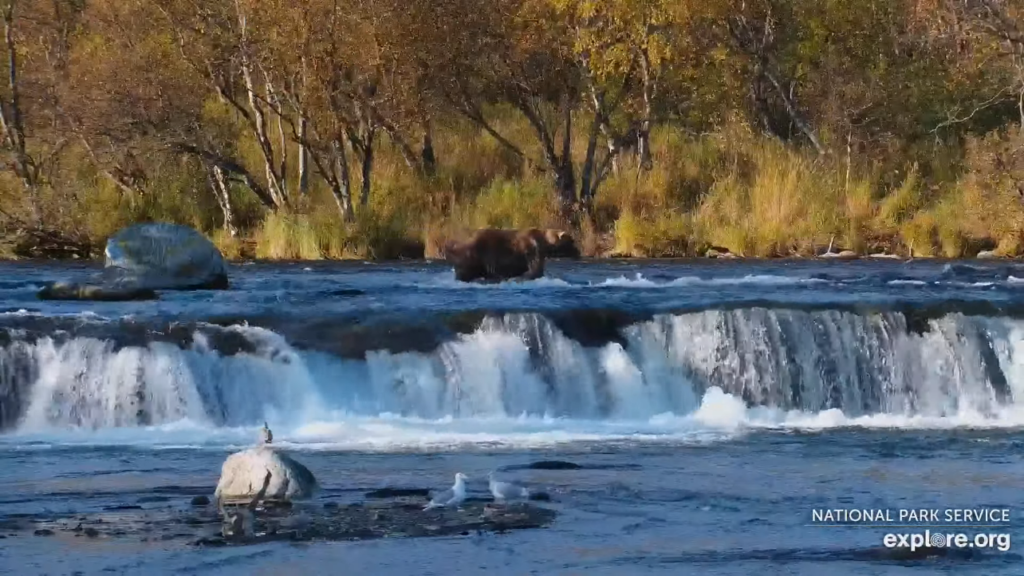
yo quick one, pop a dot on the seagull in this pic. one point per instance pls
(454, 495)
(266, 435)
(505, 490)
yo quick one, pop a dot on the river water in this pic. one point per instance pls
(711, 406)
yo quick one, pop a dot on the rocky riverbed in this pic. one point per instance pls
(331, 521)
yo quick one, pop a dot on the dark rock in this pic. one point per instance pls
(562, 465)
(308, 522)
(356, 341)
(553, 465)
(398, 492)
(200, 501)
(95, 292)
(43, 532)
(540, 496)
(346, 292)
(593, 328)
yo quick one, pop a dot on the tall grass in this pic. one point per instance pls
(733, 189)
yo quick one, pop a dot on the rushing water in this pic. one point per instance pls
(713, 406)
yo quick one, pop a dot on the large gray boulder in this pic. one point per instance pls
(164, 256)
(143, 258)
(243, 474)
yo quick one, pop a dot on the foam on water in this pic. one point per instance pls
(639, 281)
(518, 381)
(448, 281)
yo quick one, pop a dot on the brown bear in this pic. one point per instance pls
(495, 255)
(556, 243)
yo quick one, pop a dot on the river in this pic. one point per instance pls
(711, 406)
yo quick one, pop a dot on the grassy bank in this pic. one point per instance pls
(733, 189)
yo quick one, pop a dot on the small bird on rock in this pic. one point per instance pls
(506, 490)
(452, 496)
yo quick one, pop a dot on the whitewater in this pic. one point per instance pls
(745, 392)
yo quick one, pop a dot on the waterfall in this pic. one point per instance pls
(521, 365)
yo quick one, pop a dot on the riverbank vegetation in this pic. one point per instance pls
(308, 129)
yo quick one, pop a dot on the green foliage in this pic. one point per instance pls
(884, 126)
(510, 204)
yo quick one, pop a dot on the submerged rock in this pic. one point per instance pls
(303, 522)
(72, 291)
(243, 473)
(387, 520)
(398, 492)
(164, 256)
(552, 465)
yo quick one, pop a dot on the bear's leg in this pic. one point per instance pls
(534, 264)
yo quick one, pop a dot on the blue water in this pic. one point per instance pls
(741, 396)
(312, 289)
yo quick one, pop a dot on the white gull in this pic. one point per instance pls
(454, 495)
(506, 490)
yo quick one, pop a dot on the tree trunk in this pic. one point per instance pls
(565, 185)
(644, 130)
(230, 167)
(303, 158)
(341, 183)
(276, 184)
(367, 164)
(747, 38)
(282, 172)
(11, 119)
(332, 165)
(587, 171)
(218, 183)
(566, 172)
(792, 111)
(427, 157)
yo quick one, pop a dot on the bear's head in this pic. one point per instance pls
(560, 244)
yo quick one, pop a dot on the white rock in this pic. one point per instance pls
(987, 254)
(164, 256)
(844, 255)
(242, 476)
